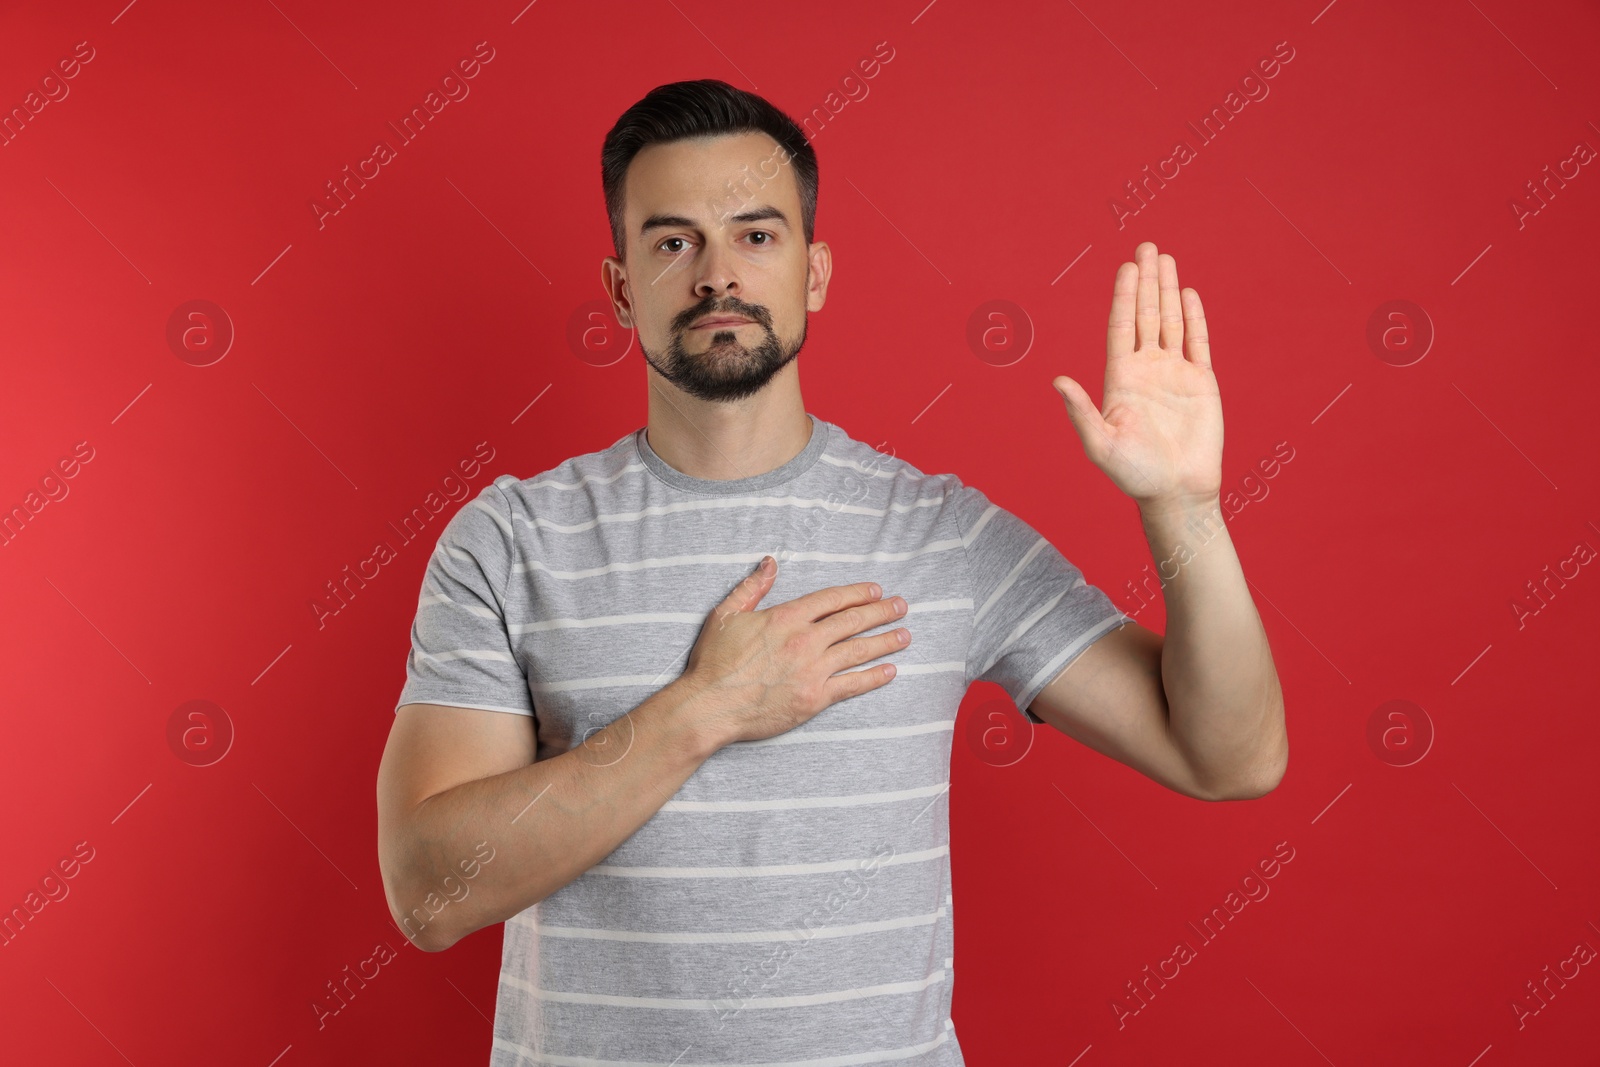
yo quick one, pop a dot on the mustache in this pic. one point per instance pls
(753, 312)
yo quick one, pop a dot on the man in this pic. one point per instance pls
(649, 720)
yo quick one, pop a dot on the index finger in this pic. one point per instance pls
(1124, 293)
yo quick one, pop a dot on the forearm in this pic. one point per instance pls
(1224, 701)
(546, 823)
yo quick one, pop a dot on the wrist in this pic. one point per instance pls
(694, 717)
(1179, 510)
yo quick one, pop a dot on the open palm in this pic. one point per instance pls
(1158, 436)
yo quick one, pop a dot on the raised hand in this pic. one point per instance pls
(1158, 435)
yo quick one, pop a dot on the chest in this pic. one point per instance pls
(604, 618)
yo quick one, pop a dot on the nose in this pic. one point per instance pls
(717, 276)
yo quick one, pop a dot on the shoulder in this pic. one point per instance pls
(930, 508)
(571, 472)
(882, 472)
(574, 480)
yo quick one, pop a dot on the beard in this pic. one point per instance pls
(727, 370)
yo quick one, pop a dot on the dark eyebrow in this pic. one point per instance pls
(755, 214)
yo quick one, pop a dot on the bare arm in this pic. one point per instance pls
(457, 785)
(472, 831)
(1214, 727)
(1225, 701)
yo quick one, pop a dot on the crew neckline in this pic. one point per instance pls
(797, 466)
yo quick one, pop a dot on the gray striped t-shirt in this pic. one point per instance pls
(791, 903)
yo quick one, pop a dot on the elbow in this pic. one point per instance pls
(1277, 764)
(1255, 782)
(1251, 791)
(1268, 770)
(435, 943)
(421, 922)
(1264, 780)
(416, 909)
(1254, 790)
(421, 927)
(1275, 775)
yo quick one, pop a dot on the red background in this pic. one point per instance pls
(434, 311)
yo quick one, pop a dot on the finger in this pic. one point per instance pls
(1197, 343)
(1171, 304)
(1119, 334)
(748, 593)
(824, 602)
(1147, 315)
(842, 686)
(1092, 429)
(842, 624)
(861, 650)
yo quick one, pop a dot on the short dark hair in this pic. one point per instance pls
(704, 108)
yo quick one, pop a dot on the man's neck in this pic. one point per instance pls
(722, 442)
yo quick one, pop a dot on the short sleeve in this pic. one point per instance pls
(1033, 612)
(460, 643)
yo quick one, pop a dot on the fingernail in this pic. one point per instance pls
(768, 564)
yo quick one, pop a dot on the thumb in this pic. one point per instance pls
(748, 593)
(1082, 411)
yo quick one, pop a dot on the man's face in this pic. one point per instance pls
(713, 230)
